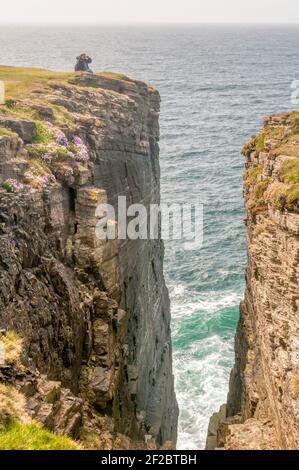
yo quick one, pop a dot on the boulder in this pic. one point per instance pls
(25, 129)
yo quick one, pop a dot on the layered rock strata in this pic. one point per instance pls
(262, 411)
(93, 314)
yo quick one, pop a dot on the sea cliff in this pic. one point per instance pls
(263, 401)
(85, 323)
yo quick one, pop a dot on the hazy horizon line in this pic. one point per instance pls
(148, 23)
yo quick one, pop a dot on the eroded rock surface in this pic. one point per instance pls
(263, 402)
(94, 314)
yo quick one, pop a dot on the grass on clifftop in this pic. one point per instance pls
(19, 82)
(280, 139)
(17, 436)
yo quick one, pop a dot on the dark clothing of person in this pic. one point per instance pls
(82, 64)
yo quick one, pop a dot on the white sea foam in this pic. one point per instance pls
(201, 368)
(186, 302)
(201, 387)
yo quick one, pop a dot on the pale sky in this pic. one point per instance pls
(153, 11)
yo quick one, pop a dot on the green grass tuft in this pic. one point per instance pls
(254, 173)
(256, 202)
(7, 132)
(40, 168)
(7, 186)
(252, 176)
(43, 136)
(286, 197)
(260, 144)
(289, 172)
(36, 152)
(16, 436)
(261, 188)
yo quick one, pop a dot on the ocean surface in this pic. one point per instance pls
(216, 83)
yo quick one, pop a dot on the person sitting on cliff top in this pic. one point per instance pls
(82, 64)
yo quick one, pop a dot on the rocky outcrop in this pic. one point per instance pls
(93, 314)
(263, 402)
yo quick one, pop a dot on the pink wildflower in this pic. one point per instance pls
(61, 138)
(81, 151)
(13, 185)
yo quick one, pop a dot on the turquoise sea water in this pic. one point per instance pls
(216, 83)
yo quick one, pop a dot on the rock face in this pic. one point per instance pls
(93, 314)
(263, 402)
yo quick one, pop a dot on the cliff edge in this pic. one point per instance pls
(262, 411)
(85, 323)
